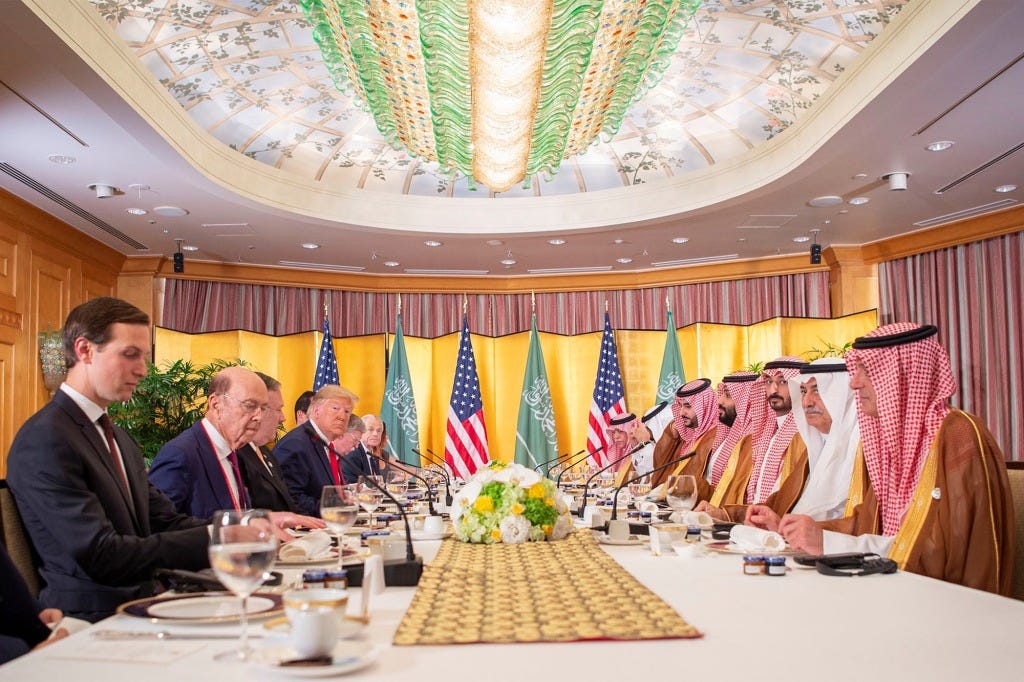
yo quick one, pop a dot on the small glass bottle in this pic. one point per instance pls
(336, 578)
(753, 564)
(775, 565)
(313, 578)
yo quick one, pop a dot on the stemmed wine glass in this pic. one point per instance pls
(681, 492)
(369, 495)
(338, 509)
(243, 547)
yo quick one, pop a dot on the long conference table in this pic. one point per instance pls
(799, 626)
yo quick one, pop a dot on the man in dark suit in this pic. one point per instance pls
(199, 469)
(96, 523)
(308, 458)
(23, 625)
(260, 469)
(357, 462)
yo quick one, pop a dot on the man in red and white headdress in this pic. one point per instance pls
(693, 429)
(734, 424)
(622, 435)
(776, 450)
(826, 419)
(939, 502)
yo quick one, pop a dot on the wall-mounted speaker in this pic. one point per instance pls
(179, 262)
(815, 254)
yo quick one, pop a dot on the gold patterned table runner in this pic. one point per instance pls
(560, 591)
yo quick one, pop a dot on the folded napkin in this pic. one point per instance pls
(657, 493)
(312, 546)
(701, 519)
(647, 507)
(756, 539)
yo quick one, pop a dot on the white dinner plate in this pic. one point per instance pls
(348, 658)
(207, 607)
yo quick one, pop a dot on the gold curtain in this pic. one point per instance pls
(708, 350)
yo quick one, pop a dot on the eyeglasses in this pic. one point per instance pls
(248, 406)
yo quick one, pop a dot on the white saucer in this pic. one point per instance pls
(348, 658)
(604, 539)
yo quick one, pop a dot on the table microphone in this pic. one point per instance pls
(557, 458)
(570, 465)
(677, 460)
(430, 495)
(400, 573)
(586, 486)
(444, 474)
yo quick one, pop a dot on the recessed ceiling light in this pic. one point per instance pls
(742, 239)
(858, 201)
(801, 240)
(845, 210)
(432, 242)
(1002, 189)
(624, 260)
(494, 242)
(189, 247)
(310, 245)
(170, 211)
(860, 176)
(136, 211)
(556, 242)
(391, 263)
(940, 146)
(680, 240)
(618, 241)
(827, 200)
(508, 261)
(61, 159)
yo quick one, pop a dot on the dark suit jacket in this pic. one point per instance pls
(354, 464)
(20, 627)
(187, 470)
(305, 466)
(98, 546)
(267, 487)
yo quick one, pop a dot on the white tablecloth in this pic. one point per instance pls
(887, 627)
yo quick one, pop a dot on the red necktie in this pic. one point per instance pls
(335, 465)
(108, 431)
(243, 494)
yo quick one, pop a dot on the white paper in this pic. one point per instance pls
(160, 653)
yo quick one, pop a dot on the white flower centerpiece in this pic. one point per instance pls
(509, 503)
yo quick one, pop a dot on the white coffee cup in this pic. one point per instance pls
(618, 530)
(315, 617)
(433, 525)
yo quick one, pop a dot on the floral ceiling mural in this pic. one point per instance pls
(250, 73)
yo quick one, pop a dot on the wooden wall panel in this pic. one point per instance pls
(46, 268)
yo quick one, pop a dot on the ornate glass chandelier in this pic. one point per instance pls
(497, 90)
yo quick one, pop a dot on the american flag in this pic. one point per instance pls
(609, 398)
(326, 362)
(465, 444)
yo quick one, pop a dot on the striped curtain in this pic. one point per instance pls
(196, 306)
(974, 294)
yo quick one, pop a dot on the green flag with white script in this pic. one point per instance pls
(398, 409)
(672, 376)
(536, 440)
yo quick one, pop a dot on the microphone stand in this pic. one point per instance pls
(555, 459)
(430, 495)
(615, 498)
(406, 573)
(558, 481)
(586, 486)
(444, 474)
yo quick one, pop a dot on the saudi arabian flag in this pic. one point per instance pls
(536, 440)
(398, 409)
(672, 376)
